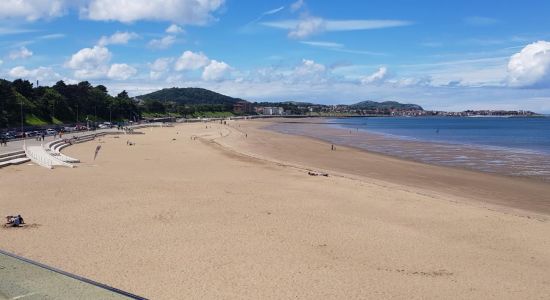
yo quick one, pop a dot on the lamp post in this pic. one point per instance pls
(22, 129)
(53, 111)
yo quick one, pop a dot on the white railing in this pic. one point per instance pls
(37, 159)
(40, 156)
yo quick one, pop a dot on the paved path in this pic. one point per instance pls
(18, 145)
(23, 279)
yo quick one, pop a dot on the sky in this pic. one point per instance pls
(443, 55)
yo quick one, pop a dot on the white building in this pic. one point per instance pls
(273, 111)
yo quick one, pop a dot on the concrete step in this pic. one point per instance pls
(11, 157)
(19, 161)
(16, 161)
(2, 155)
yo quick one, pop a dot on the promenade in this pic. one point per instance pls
(17, 145)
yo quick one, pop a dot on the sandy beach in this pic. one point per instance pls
(234, 214)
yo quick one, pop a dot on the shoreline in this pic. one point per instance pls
(513, 194)
(509, 162)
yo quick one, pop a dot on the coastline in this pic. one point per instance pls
(514, 162)
(522, 195)
(234, 214)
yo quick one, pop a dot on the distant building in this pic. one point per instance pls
(267, 111)
(243, 107)
(270, 111)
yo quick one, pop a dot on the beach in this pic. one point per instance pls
(233, 213)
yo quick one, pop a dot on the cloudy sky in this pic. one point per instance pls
(448, 55)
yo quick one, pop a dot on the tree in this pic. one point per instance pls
(8, 104)
(23, 87)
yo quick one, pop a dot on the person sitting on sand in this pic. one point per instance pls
(15, 221)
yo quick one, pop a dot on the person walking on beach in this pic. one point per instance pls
(332, 147)
(97, 151)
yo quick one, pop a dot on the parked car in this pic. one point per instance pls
(30, 133)
(7, 135)
(50, 131)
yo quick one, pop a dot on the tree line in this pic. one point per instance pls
(62, 103)
(78, 103)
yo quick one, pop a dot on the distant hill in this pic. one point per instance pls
(298, 103)
(385, 105)
(190, 96)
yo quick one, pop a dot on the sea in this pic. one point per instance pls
(503, 145)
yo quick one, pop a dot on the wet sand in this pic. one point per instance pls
(507, 192)
(496, 160)
(230, 216)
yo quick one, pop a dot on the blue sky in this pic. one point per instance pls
(440, 54)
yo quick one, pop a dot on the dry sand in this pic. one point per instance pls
(218, 218)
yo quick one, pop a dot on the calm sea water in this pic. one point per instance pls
(508, 146)
(514, 134)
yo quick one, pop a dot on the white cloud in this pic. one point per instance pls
(174, 29)
(307, 27)
(323, 44)
(159, 67)
(331, 46)
(196, 12)
(215, 71)
(90, 63)
(21, 53)
(94, 63)
(268, 13)
(191, 61)
(163, 43)
(121, 71)
(32, 10)
(53, 36)
(294, 7)
(531, 66)
(161, 64)
(40, 73)
(349, 25)
(311, 25)
(309, 67)
(1, 62)
(273, 11)
(118, 38)
(377, 77)
(89, 58)
(309, 71)
(416, 82)
(12, 30)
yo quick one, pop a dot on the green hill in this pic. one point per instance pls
(372, 105)
(190, 96)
